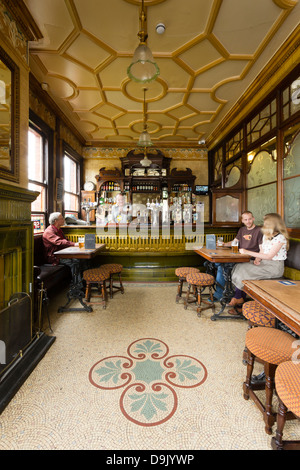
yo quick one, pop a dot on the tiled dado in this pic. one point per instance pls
(16, 241)
(18, 335)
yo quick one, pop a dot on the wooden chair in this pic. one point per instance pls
(272, 347)
(181, 273)
(99, 277)
(199, 281)
(287, 383)
(114, 269)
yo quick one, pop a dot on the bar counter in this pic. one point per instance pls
(149, 253)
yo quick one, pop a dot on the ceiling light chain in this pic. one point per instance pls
(145, 140)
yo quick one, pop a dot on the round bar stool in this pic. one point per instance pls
(114, 269)
(96, 276)
(257, 316)
(271, 347)
(181, 273)
(287, 384)
(198, 281)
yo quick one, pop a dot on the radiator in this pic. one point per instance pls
(15, 329)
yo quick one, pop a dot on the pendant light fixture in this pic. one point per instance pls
(145, 162)
(143, 69)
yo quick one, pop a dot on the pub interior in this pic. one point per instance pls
(188, 140)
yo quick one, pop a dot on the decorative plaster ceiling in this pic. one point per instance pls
(209, 54)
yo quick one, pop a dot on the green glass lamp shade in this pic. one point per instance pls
(143, 69)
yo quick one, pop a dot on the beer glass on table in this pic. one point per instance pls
(220, 241)
(235, 246)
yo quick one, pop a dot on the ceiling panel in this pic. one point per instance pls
(209, 54)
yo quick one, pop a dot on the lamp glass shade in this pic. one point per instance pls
(144, 140)
(145, 162)
(143, 69)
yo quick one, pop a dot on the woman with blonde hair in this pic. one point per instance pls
(268, 263)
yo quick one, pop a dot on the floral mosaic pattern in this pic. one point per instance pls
(149, 378)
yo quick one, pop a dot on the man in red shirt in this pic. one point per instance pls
(55, 240)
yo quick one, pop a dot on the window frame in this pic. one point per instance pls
(77, 159)
(35, 127)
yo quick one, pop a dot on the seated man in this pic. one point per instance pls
(248, 236)
(55, 240)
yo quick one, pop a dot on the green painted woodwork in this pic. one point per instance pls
(16, 241)
(145, 261)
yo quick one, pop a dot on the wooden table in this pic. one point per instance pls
(228, 259)
(280, 297)
(76, 291)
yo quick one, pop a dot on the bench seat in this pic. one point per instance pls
(53, 277)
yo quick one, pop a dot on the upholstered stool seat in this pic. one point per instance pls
(114, 269)
(96, 276)
(258, 315)
(199, 281)
(287, 383)
(272, 347)
(181, 273)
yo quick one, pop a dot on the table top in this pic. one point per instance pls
(222, 255)
(279, 297)
(80, 253)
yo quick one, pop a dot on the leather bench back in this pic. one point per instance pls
(38, 252)
(293, 255)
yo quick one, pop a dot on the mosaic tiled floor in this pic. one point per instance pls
(150, 377)
(144, 374)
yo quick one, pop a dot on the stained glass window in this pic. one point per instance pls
(234, 145)
(262, 123)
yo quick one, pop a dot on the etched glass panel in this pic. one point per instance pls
(292, 202)
(291, 99)
(291, 163)
(232, 176)
(261, 201)
(262, 170)
(227, 209)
